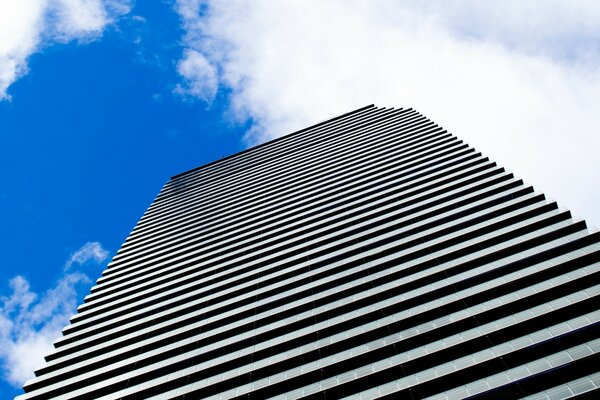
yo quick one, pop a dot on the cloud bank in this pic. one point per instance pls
(518, 80)
(30, 322)
(26, 26)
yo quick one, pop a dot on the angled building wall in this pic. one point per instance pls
(371, 255)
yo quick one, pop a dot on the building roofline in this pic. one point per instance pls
(327, 121)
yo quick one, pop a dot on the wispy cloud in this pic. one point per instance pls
(200, 77)
(31, 322)
(91, 251)
(519, 80)
(28, 25)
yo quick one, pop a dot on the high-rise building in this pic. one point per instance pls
(370, 255)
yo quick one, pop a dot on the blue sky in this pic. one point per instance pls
(101, 101)
(90, 135)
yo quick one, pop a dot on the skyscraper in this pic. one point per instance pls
(370, 255)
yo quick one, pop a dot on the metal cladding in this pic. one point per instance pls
(370, 255)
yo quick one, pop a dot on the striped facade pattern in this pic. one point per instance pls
(373, 255)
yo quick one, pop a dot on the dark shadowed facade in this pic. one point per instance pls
(373, 255)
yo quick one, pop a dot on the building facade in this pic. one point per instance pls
(373, 255)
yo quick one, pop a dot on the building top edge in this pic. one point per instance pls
(329, 120)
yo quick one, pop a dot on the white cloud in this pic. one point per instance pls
(87, 252)
(200, 76)
(79, 18)
(28, 25)
(518, 80)
(30, 323)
